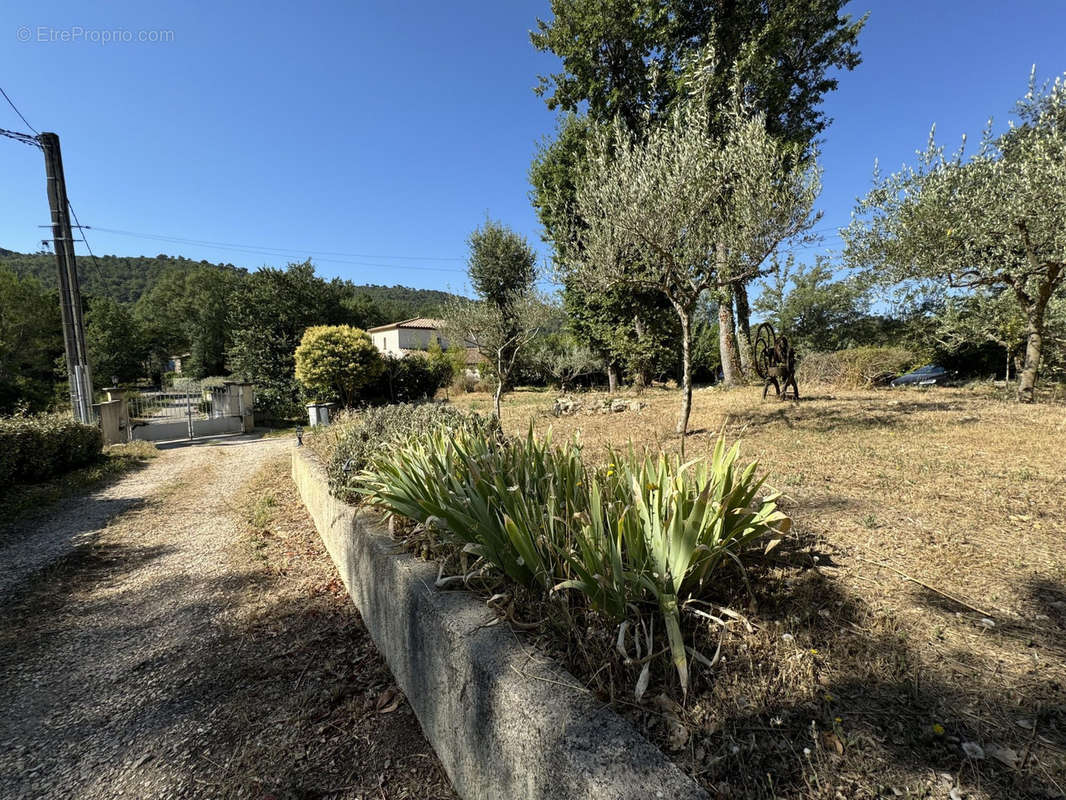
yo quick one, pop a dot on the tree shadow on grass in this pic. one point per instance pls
(831, 695)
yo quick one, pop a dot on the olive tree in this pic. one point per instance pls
(684, 213)
(507, 314)
(990, 222)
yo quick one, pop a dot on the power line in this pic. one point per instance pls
(18, 112)
(284, 252)
(261, 248)
(85, 241)
(25, 138)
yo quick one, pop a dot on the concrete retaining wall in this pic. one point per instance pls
(506, 723)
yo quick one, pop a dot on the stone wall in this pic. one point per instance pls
(506, 723)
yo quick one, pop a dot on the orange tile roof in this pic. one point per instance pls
(425, 323)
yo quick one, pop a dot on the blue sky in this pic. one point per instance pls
(374, 136)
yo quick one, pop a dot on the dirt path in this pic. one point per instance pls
(172, 653)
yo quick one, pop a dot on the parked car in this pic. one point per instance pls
(929, 375)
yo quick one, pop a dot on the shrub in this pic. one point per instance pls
(644, 530)
(858, 367)
(464, 382)
(36, 447)
(354, 438)
(410, 379)
(333, 362)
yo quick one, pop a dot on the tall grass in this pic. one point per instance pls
(642, 531)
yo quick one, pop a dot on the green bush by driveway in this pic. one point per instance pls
(36, 447)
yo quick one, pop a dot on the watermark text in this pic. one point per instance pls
(77, 34)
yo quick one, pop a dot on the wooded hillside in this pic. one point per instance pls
(126, 278)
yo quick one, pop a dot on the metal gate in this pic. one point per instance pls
(183, 411)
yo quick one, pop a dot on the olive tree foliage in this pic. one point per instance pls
(682, 213)
(562, 359)
(634, 62)
(333, 362)
(983, 316)
(499, 335)
(507, 314)
(630, 331)
(990, 222)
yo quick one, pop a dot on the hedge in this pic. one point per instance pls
(859, 367)
(36, 447)
(354, 438)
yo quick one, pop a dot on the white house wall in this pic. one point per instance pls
(420, 338)
(398, 341)
(388, 342)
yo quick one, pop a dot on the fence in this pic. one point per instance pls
(188, 410)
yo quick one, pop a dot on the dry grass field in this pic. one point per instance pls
(912, 641)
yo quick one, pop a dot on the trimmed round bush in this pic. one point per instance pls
(334, 362)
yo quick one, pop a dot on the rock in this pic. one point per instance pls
(564, 406)
(617, 406)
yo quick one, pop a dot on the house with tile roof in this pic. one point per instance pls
(400, 339)
(409, 336)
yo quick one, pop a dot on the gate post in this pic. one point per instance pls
(188, 408)
(110, 416)
(240, 399)
(116, 393)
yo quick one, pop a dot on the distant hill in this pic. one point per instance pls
(126, 278)
(402, 302)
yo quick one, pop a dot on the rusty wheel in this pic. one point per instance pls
(763, 354)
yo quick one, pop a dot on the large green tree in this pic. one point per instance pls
(113, 339)
(269, 313)
(634, 60)
(187, 311)
(814, 309)
(990, 222)
(31, 342)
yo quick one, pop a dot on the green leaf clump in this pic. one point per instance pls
(641, 532)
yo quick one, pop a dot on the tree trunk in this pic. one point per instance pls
(499, 385)
(740, 296)
(727, 342)
(643, 376)
(686, 376)
(1034, 341)
(496, 400)
(612, 378)
(1006, 375)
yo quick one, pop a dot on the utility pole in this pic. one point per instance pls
(81, 385)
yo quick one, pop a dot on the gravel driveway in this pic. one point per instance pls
(132, 665)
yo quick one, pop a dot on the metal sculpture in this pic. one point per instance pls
(775, 362)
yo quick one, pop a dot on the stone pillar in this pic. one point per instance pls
(247, 407)
(240, 402)
(115, 393)
(109, 414)
(320, 413)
